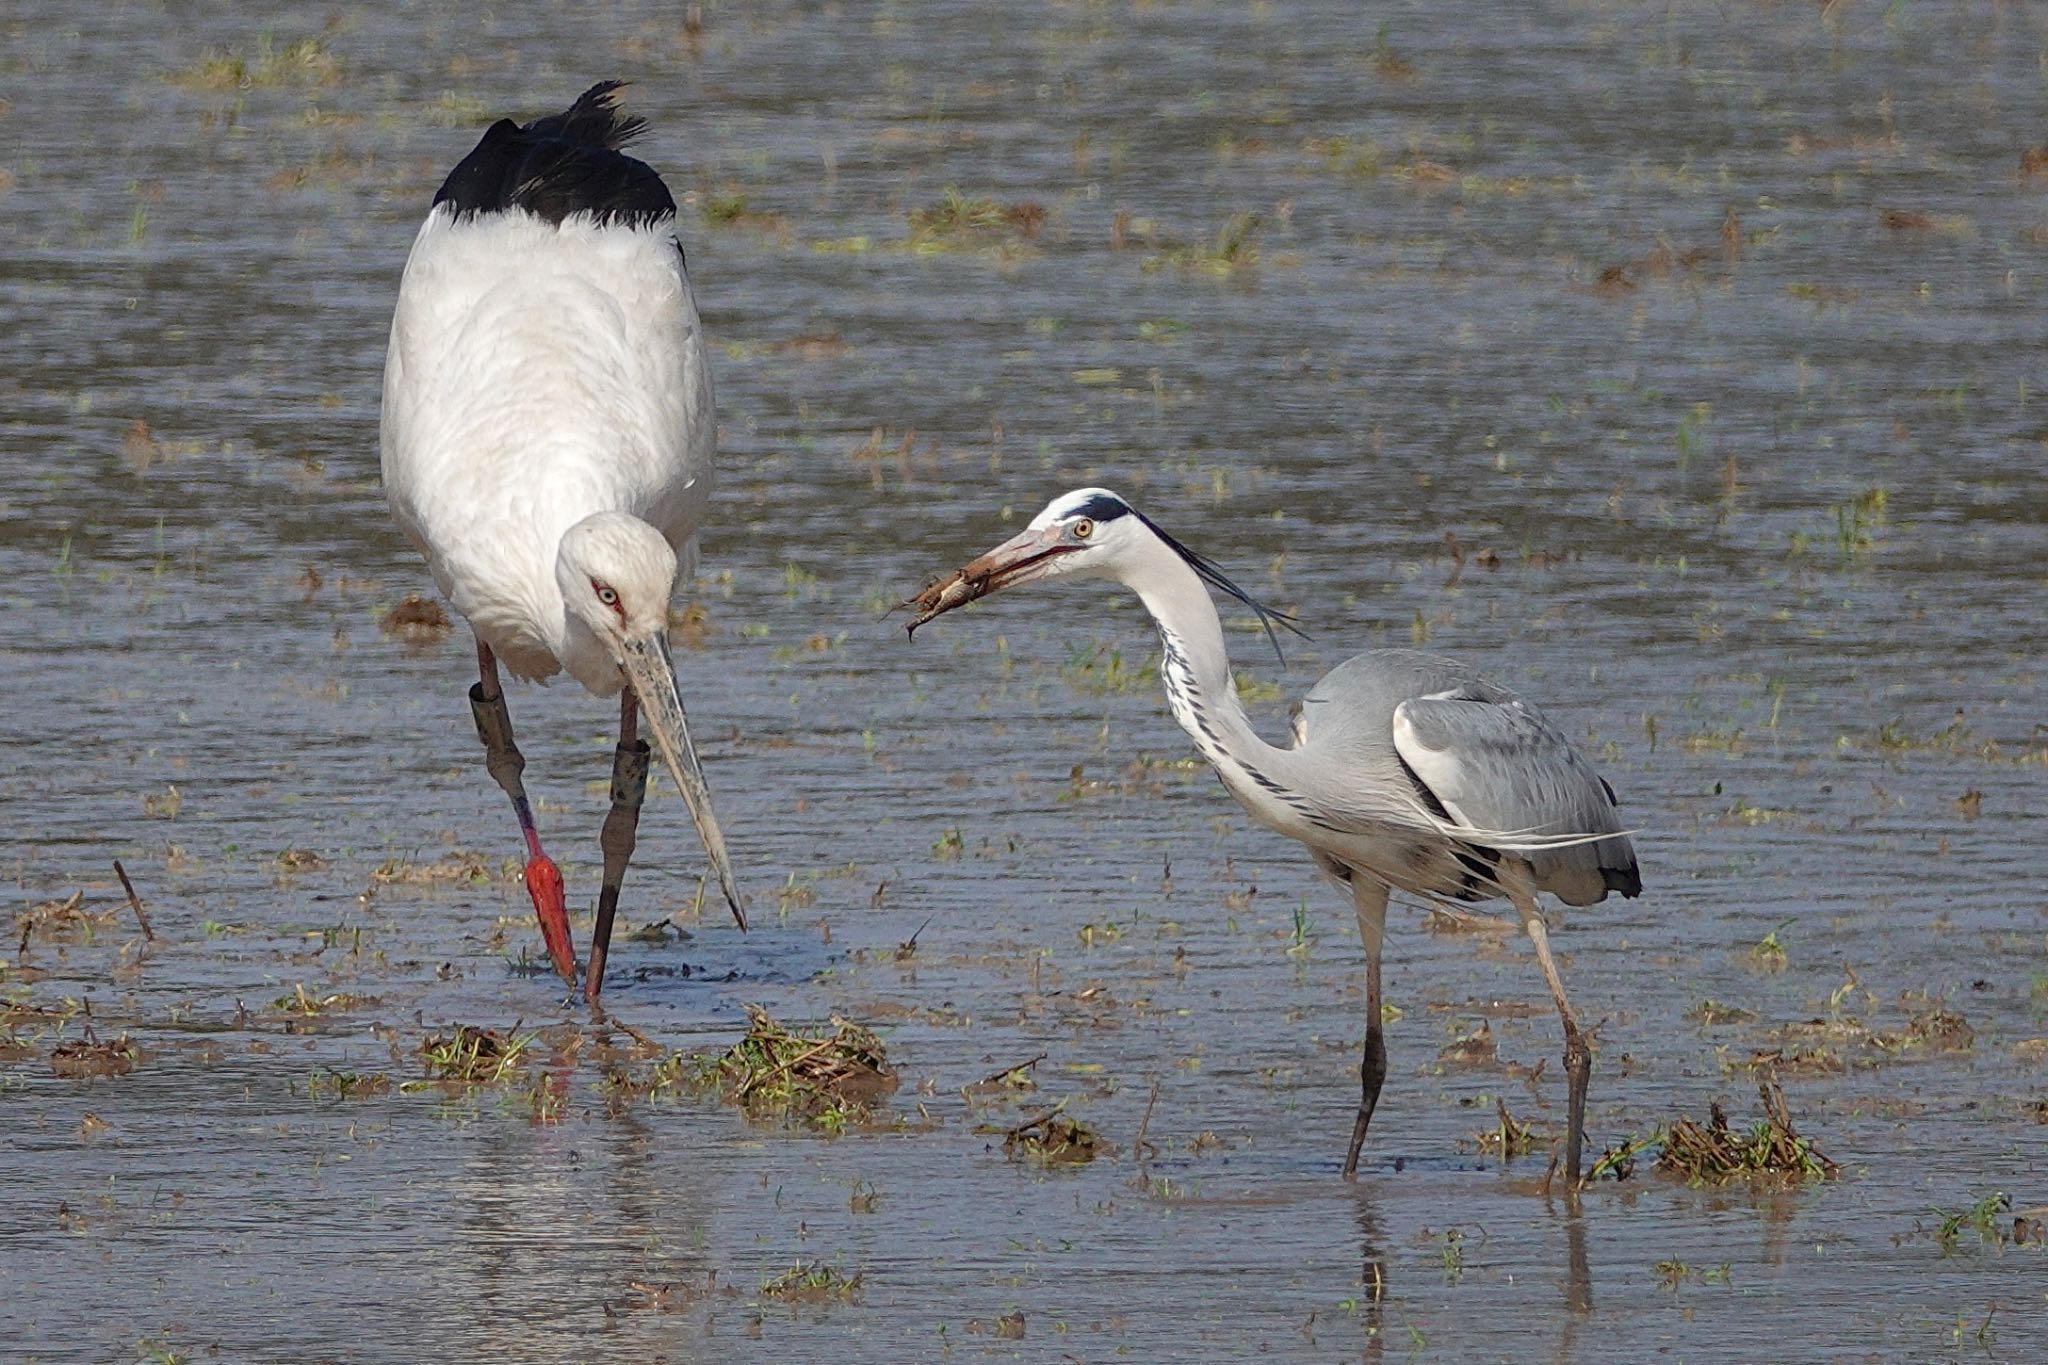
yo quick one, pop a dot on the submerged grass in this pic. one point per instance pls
(1711, 1152)
(473, 1056)
(825, 1081)
(812, 1282)
(958, 223)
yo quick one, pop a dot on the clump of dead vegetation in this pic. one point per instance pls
(91, 1059)
(449, 869)
(958, 223)
(329, 1084)
(1509, 1137)
(416, 621)
(473, 1056)
(1054, 1138)
(1711, 1152)
(826, 1081)
(812, 1282)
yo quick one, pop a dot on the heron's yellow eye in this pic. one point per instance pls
(1083, 529)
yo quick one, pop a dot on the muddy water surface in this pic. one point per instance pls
(1713, 334)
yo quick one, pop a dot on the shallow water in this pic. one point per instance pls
(1645, 300)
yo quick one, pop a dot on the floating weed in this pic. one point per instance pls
(303, 1003)
(69, 919)
(1452, 1254)
(303, 64)
(1054, 1139)
(1711, 1152)
(668, 1077)
(416, 621)
(1769, 953)
(545, 1098)
(1986, 1218)
(1932, 1027)
(821, 1081)
(812, 1282)
(730, 209)
(1102, 672)
(1672, 1274)
(958, 223)
(1235, 249)
(1509, 1137)
(1095, 935)
(328, 1084)
(1858, 522)
(1711, 1012)
(472, 1056)
(296, 860)
(94, 1060)
(449, 869)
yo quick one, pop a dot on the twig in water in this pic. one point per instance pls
(134, 901)
(1139, 1147)
(995, 1076)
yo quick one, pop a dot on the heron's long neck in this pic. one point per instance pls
(1196, 668)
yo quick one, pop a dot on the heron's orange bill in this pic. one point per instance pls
(1019, 559)
(652, 673)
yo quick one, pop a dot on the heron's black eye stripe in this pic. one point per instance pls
(1101, 507)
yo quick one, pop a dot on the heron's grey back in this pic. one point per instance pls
(1491, 761)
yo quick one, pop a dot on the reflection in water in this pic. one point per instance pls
(1372, 1276)
(1578, 1279)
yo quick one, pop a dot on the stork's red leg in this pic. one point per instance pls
(629, 788)
(506, 765)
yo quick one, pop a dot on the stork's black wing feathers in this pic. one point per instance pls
(561, 165)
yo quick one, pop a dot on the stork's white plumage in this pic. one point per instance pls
(548, 432)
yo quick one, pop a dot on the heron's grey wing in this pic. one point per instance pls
(1498, 767)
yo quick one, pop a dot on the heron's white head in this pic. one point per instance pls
(1088, 533)
(616, 574)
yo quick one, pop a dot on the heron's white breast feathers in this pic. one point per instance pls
(537, 375)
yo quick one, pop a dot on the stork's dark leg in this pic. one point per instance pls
(1578, 1057)
(1371, 899)
(629, 788)
(506, 764)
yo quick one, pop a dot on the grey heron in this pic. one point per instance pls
(1406, 769)
(548, 433)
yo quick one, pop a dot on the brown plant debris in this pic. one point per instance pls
(1712, 1152)
(1475, 1049)
(1054, 1139)
(820, 1081)
(812, 1282)
(1511, 1137)
(473, 1056)
(416, 621)
(90, 1060)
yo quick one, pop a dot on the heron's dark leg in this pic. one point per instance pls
(1370, 897)
(506, 764)
(1578, 1057)
(629, 788)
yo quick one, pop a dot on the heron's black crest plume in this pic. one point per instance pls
(562, 165)
(1209, 573)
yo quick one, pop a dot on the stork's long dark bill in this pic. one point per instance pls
(652, 672)
(1019, 559)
